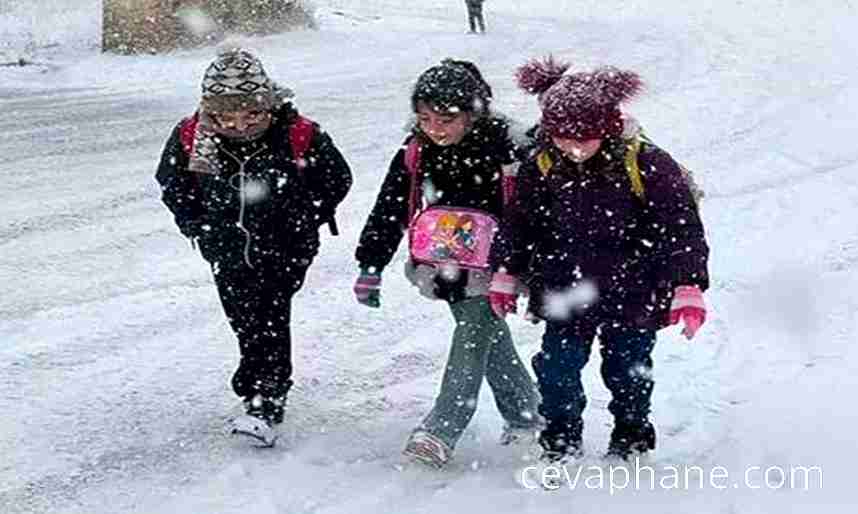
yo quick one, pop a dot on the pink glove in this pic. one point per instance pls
(688, 306)
(502, 294)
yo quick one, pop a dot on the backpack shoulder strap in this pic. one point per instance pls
(412, 156)
(633, 148)
(187, 129)
(301, 133)
(633, 170)
(300, 136)
(544, 162)
(412, 166)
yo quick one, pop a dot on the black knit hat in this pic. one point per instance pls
(453, 86)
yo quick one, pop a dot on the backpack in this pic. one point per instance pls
(300, 135)
(633, 171)
(446, 235)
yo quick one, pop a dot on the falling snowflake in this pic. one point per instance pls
(197, 21)
(255, 191)
(561, 304)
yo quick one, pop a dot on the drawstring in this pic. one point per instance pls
(242, 203)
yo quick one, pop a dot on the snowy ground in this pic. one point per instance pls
(115, 356)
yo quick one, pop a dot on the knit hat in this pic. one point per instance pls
(581, 105)
(453, 86)
(236, 81)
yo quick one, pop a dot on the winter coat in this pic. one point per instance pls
(578, 224)
(276, 224)
(467, 174)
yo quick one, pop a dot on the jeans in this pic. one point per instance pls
(482, 347)
(626, 371)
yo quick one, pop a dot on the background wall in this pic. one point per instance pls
(151, 26)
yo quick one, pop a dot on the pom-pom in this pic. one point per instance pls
(537, 76)
(612, 86)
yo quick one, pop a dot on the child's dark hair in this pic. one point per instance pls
(472, 68)
(453, 86)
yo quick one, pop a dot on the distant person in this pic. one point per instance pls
(250, 181)
(475, 15)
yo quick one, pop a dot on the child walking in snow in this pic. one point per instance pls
(250, 181)
(607, 235)
(455, 161)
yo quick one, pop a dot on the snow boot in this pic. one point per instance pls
(554, 458)
(564, 455)
(628, 440)
(427, 449)
(562, 440)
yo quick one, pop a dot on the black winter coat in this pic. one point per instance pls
(582, 223)
(468, 174)
(277, 226)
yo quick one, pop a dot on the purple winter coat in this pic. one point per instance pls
(582, 223)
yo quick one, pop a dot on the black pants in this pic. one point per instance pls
(258, 305)
(475, 17)
(626, 370)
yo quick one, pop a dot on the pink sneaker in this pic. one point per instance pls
(427, 449)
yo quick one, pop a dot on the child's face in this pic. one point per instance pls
(443, 128)
(575, 150)
(243, 122)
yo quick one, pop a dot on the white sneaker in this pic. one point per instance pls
(427, 449)
(258, 430)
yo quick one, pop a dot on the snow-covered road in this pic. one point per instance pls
(115, 356)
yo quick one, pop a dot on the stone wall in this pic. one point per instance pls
(152, 26)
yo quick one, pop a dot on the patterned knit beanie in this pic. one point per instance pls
(236, 81)
(581, 105)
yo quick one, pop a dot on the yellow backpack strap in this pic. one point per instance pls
(544, 162)
(633, 147)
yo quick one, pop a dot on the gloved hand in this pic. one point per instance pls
(368, 288)
(503, 293)
(688, 306)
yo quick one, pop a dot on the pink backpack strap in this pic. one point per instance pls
(509, 177)
(508, 185)
(187, 129)
(412, 165)
(300, 135)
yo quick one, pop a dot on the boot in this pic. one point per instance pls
(628, 440)
(561, 441)
(557, 452)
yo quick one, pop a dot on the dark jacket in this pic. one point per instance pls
(279, 226)
(582, 223)
(467, 174)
